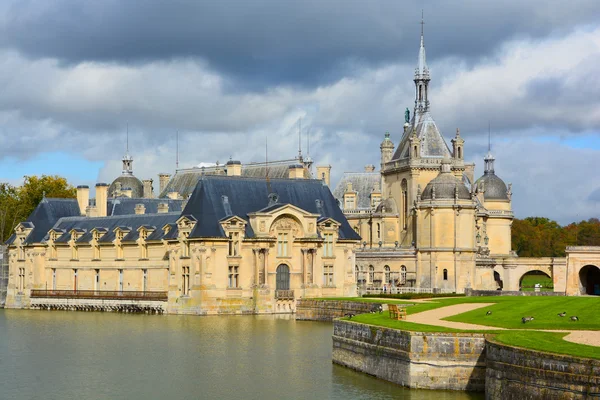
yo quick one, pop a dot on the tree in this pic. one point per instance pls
(17, 203)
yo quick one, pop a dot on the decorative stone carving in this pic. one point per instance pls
(286, 223)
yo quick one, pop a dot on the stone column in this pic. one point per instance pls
(304, 267)
(266, 267)
(255, 253)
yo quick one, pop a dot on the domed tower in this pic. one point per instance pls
(495, 197)
(444, 214)
(387, 149)
(126, 181)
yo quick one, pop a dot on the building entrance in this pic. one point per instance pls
(589, 276)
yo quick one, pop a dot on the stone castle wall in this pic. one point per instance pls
(515, 373)
(445, 361)
(328, 310)
(479, 293)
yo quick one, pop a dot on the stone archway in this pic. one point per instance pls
(589, 280)
(529, 279)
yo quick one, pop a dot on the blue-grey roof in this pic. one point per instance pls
(248, 195)
(132, 222)
(364, 183)
(126, 205)
(494, 187)
(45, 216)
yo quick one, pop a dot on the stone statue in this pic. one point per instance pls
(407, 115)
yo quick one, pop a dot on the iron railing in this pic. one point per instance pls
(284, 295)
(101, 294)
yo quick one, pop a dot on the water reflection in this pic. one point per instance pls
(71, 355)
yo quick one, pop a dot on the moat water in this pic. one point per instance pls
(76, 355)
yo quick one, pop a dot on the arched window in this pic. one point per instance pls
(445, 274)
(403, 275)
(459, 153)
(283, 278)
(387, 274)
(371, 273)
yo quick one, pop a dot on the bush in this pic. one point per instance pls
(408, 296)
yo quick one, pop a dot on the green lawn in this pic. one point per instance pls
(550, 342)
(528, 282)
(508, 311)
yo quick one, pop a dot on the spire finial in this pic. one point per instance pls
(177, 150)
(422, 27)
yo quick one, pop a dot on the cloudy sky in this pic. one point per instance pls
(228, 74)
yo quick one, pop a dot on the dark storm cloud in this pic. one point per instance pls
(263, 42)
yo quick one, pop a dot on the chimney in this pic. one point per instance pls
(296, 171)
(91, 211)
(369, 168)
(163, 180)
(234, 168)
(83, 198)
(163, 208)
(148, 188)
(140, 209)
(127, 191)
(101, 198)
(323, 173)
(173, 195)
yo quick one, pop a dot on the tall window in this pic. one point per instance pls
(445, 274)
(328, 249)
(21, 279)
(371, 273)
(387, 274)
(234, 244)
(121, 280)
(75, 283)
(185, 281)
(233, 276)
(403, 275)
(404, 204)
(328, 275)
(97, 279)
(282, 245)
(53, 278)
(378, 231)
(145, 280)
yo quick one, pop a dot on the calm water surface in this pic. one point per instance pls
(74, 355)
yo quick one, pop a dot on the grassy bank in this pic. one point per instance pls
(549, 342)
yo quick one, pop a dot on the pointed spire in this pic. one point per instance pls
(422, 69)
(489, 158)
(127, 159)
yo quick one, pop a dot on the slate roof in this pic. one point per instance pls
(433, 143)
(45, 216)
(362, 182)
(130, 222)
(494, 187)
(184, 181)
(126, 205)
(247, 195)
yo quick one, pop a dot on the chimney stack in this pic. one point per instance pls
(140, 209)
(323, 173)
(296, 171)
(173, 195)
(234, 168)
(148, 189)
(101, 198)
(83, 198)
(163, 180)
(163, 208)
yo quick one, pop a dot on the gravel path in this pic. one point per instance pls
(434, 317)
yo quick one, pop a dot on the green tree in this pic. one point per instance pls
(17, 203)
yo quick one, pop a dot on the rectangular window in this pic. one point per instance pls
(282, 245)
(234, 244)
(185, 281)
(53, 278)
(233, 277)
(145, 280)
(75, 279)
(328, 247)
(120, 280)
(97, 280)
(21, 283)
(328, 275)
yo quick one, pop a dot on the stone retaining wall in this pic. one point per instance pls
(454, 361)
(477, 293)
(328, 310)
(515, 373)
(136, 306)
